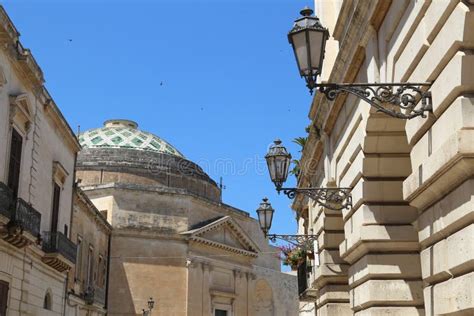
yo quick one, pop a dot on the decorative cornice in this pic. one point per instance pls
(222, 246)
(27, 68)
(235, 229)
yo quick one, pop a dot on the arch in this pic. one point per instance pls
(263, 298)
(48, 300)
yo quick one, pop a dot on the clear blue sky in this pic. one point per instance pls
(230, 83)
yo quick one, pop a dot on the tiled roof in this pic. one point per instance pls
(124, 134)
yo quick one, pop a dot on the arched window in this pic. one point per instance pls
(47, 301)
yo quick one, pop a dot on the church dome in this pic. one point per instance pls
(125, 134)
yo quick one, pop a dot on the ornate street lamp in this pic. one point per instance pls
(278, 161)
(308, 39)
(265, 216)
(151, 304)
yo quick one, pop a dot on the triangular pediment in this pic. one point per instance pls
(224, 233)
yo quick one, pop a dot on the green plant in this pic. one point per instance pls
(301, 141)
(292, 256)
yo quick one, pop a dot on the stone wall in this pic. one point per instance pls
(107, 165)
(402, 248)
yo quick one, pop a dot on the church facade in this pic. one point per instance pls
(173, 239)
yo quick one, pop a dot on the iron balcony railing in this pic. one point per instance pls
(27, 217)
(56, 242)
(94, 294)
(99, 296)
(19, 211)
(6, 200)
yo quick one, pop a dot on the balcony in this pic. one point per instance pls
(94, 295)
(60, 252)
(21, 222)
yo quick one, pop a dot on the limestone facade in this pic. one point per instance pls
(37, 154)
(406, 245)
(173, 239)
(87, 281)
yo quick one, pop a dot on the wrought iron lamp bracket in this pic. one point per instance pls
(395, 99)
(332, 198)
(304, 242)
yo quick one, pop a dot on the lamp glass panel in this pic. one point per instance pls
(281, 166)
(262, 219)
(316, 40)
(301, 52)
(271, 167)
(269, 218)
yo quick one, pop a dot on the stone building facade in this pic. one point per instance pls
(87, 281)
(37, 155)
(406, 247)
(173, 239)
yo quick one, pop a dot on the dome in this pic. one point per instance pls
(125, 134)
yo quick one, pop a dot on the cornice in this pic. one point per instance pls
(225, 247)
(366, 18)
(28, 70)
(92, 211)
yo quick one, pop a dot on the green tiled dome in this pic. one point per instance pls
(125, 134)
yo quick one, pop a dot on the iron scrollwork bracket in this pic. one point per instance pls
(332, 198)
(304, 242)
(395, 99)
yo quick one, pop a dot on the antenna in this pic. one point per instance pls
(221, 186)
(78, 129)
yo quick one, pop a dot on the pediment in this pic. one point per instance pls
(224, 233)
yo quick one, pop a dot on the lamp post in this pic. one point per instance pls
(308, 39)
(278, 162)
(265, 217)
(151, 304)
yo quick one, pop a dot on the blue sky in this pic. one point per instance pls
(229, 79)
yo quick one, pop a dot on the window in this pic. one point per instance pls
(79, 259)
(100, 271)
(47, 303)
(220, 312)
(3, 297)
(90, 266)
(55, 214)
(15, 162)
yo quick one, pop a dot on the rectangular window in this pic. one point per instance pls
(99, 271)
(90, 266)
(220, 312)
(3, 297)
(79, 259)
(55, 214)
(15, 162)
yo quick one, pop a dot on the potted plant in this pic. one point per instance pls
(292, 256)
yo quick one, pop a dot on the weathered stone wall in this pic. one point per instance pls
(47, 156)
(150, 256)
(92, 230)
(109, 165)
(402, 248)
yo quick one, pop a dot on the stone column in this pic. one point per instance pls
(381, 244)
(206, 296)
(330, 277)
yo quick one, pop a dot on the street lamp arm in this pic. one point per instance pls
(304, 242)
(331, 198)
(399, 103)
